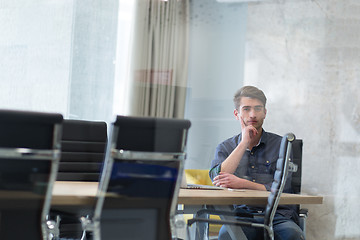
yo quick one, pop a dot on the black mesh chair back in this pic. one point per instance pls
(29, 155)
(140, 181)
(151, 134)
(83, 145)
(297, 147)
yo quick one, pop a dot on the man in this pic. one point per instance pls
(248, 161)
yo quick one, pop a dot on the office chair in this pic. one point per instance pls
(29, 157)
(296, 180)
(83, 145)
(138, 191)
(280, 175)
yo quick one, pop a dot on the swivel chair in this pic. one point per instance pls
(83, 145)
(138, 191)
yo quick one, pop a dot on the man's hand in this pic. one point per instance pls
(228, 180)
(250, 137)
(249, 132)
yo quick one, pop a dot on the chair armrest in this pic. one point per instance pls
(224, 213)
(303, 212)
(228, 222)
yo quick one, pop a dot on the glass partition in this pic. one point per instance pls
(73, 57)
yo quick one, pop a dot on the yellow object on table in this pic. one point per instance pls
(198, 176)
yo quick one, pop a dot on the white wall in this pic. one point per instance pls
(59, 56)
(93, 59)
(216, 68)
(35, 49)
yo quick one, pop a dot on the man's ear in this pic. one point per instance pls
(237, 114)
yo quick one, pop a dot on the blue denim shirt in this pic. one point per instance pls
(257, 165)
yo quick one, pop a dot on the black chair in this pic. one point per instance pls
(29, 156)
(83, 145)
(137, 196)
(282, 168)
(296, 180)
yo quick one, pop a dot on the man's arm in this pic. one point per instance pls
(248, 138)
(230, 164)
(228, 180)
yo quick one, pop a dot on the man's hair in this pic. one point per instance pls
(251, 92)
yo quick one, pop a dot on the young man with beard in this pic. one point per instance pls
(248, 161)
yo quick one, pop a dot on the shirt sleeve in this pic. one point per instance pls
(268, 186)
(220, 156)
(214, 171)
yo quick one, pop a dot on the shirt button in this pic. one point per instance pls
(254, 180)
(252, 166)
(252, 153)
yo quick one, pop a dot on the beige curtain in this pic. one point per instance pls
(160, 58)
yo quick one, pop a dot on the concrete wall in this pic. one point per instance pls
(305, 55)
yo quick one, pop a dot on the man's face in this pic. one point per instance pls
(251, 111)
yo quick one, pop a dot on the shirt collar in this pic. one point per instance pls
(264, 137)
